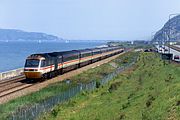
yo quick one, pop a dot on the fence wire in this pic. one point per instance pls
(34, 111)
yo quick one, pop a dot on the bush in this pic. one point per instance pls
(149, 101)
(114, 86)
(55, 111)
(98, 84)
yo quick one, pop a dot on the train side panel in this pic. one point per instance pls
(52, 64)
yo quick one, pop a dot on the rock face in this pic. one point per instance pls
(19, 35)
(171, 29)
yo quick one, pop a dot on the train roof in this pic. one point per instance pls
(69, 53)
(85, 50)
(53, 54)
(96, 49)
(38, 56)
(104, 48)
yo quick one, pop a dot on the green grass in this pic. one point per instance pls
(54, 89)
(93, 74)
(148, 91)
(30, 99)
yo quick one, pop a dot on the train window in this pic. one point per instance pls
(47, 62)
(97, 52)
(103, 51)
(32, 63)
(72, 57)
(43, 63)
(59, 60)
(85, 54)
(51, 61)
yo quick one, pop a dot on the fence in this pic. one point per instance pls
(10, 74)
(34, 111)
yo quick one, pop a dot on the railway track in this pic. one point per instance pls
(22, 86)
(175, 48)
(13, 85)
(11, 80)
(15, 89)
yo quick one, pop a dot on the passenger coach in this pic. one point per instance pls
(48, 65)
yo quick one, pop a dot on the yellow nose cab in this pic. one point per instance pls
(31, 69)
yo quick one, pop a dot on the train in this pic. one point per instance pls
(49, 65)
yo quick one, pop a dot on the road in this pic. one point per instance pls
(166, 50)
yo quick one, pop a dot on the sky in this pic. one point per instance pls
(88, 19)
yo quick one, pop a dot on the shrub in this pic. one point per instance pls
(114, 86)
(98, 84)
(149, 101)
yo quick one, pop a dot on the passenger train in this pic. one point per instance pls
(48, 65)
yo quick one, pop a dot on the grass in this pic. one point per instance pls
(54, 89)
(30, 99)
(103, 70)
(148, 91)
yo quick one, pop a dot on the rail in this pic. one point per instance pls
(175, 48)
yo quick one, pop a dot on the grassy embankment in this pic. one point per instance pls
(148, 91)
(54, 89)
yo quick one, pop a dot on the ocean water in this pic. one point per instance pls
(13, 54)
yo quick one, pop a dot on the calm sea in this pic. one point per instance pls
(13, 54)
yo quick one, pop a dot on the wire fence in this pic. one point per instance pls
(34, 111)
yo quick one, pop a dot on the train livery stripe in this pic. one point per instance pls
(59, 66)
(31, 68)
(85, 59)
(43, 68)
(71, 61)
(96, 56)
(75, 61)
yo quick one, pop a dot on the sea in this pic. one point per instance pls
(14, 54)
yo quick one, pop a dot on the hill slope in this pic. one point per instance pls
(16, 35)
(172, 27)
(149, 91)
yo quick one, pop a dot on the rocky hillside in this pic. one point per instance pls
(172, 28)
(19, 35)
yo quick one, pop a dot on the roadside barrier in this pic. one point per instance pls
(11, 73)
(32, 112)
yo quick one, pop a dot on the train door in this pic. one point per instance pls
(55, 63)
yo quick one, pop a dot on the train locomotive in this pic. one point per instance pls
(48, 65)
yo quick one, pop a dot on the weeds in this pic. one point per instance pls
(114, 86)
(149, 101)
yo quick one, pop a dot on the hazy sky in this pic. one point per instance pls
(88, 19)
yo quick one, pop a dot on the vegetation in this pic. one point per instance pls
(137, 44)
(100, 72)
(54, 89)
(148, 91)
(30, 99)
